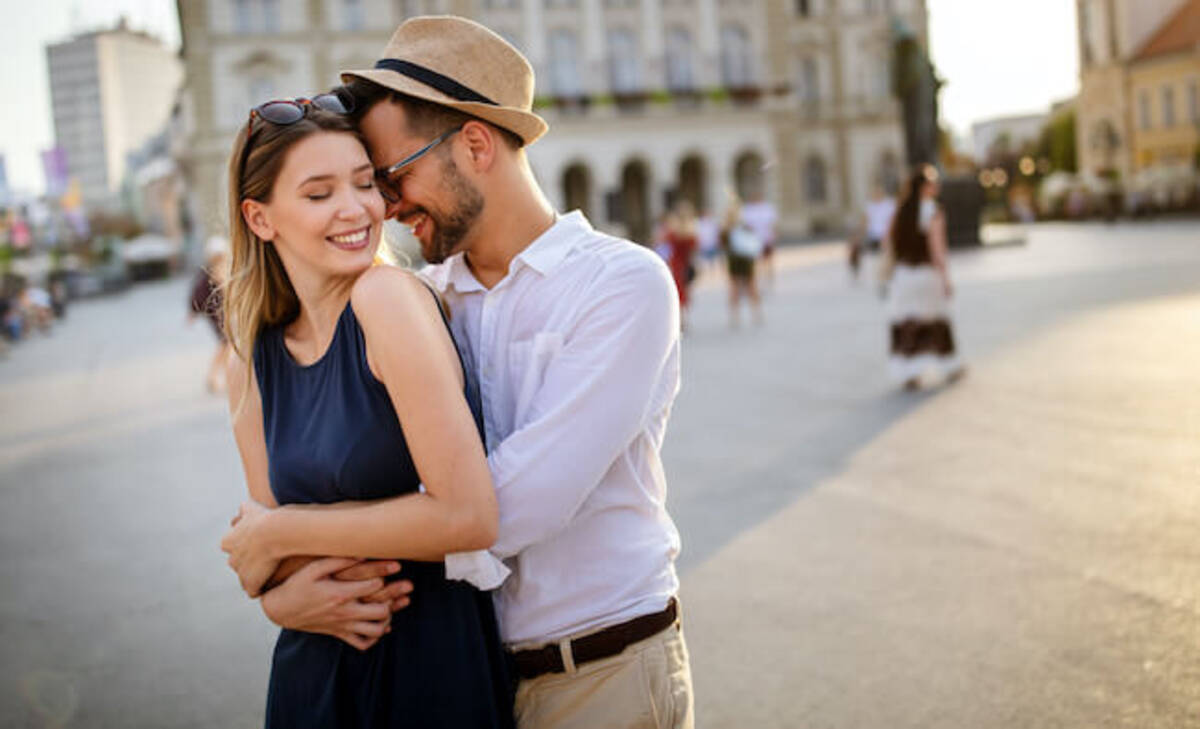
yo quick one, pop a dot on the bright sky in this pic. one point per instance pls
(27, 26)
(1002, 58)
(997, 58)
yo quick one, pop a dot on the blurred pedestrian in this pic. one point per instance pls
(59, 293)
(760, 216)
(662, 230)
(681, 239)
(10, 317)
(36, 308)
(206, 302)
(876, 220)
(708, 237)
(919, 289)
(742, 248)
(5, 335)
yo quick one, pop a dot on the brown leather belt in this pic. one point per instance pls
(601, 644)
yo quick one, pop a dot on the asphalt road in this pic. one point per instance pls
(1017, 550)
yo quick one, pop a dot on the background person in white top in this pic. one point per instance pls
(760, 215)
(574, 337)
(876, 221)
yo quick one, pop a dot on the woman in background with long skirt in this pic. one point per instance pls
(919, 289)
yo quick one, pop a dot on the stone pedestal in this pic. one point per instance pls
(962, 200)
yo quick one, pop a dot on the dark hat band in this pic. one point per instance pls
(433, 79)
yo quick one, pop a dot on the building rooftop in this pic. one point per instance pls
(1180, 32)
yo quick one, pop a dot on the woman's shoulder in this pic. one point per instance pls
(391, 294)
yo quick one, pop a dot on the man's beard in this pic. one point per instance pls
(450, 231)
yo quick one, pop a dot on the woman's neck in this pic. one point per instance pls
(322, 301)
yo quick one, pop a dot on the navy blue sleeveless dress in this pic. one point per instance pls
(332, 435)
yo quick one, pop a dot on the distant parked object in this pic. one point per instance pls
(149, 256)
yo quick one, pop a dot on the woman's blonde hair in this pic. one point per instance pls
(257, 292)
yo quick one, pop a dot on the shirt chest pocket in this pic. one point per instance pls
(528, 360)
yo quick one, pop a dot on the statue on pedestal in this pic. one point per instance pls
(915, 85)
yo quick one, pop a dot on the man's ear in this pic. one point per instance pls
(481, 141)
(255, 216)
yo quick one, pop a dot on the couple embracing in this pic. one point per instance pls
(457, 509)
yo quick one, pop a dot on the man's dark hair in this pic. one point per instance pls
(425, 118)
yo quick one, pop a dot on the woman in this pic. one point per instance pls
(919, 291)
(742, 247)
(206, 302)
(349, 389)
(681, 243)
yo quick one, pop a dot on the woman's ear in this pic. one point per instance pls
(255, 216)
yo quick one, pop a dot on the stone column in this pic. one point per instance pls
(709, 45)
(652, 45)
(592, 31)
(535, 35)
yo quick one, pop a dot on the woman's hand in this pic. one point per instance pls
(341, 597)
(248, 548)
(947, 287)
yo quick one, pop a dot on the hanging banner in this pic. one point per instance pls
(54, 167)
(5, 198)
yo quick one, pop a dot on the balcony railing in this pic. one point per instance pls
(648, 101)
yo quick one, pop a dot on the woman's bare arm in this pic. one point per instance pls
(938, 248)
(245, 409)
(412, 355)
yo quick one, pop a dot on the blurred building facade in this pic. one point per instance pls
(1013, 132)
(649, 101)
(110, 92)
(1164, 86)
(1111, 32)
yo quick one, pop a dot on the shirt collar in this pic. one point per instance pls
(549, 249)
(543, 255)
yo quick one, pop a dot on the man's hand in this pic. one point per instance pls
(247, 550)
(395, 594)
(341, 597)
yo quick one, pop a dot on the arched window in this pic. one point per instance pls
(679, 60)
(635, 201)
(693, 182)
(623, 71)
(564, 65)
(577, 188)
(749, 181)
(814, 180)
(735, 57)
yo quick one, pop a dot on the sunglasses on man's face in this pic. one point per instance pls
(282, 112)
(387, 179)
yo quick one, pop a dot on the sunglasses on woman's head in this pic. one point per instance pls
(282, 112)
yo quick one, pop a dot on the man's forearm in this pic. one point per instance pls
(286, 569)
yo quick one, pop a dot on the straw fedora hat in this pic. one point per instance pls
(460, 64)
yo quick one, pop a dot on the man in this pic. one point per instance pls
(574, 337)
(876, 221)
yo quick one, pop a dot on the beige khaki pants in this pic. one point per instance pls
(647, 686)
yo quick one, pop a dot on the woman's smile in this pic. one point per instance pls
(353, 240)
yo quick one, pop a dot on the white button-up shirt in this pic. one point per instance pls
(577, 355)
